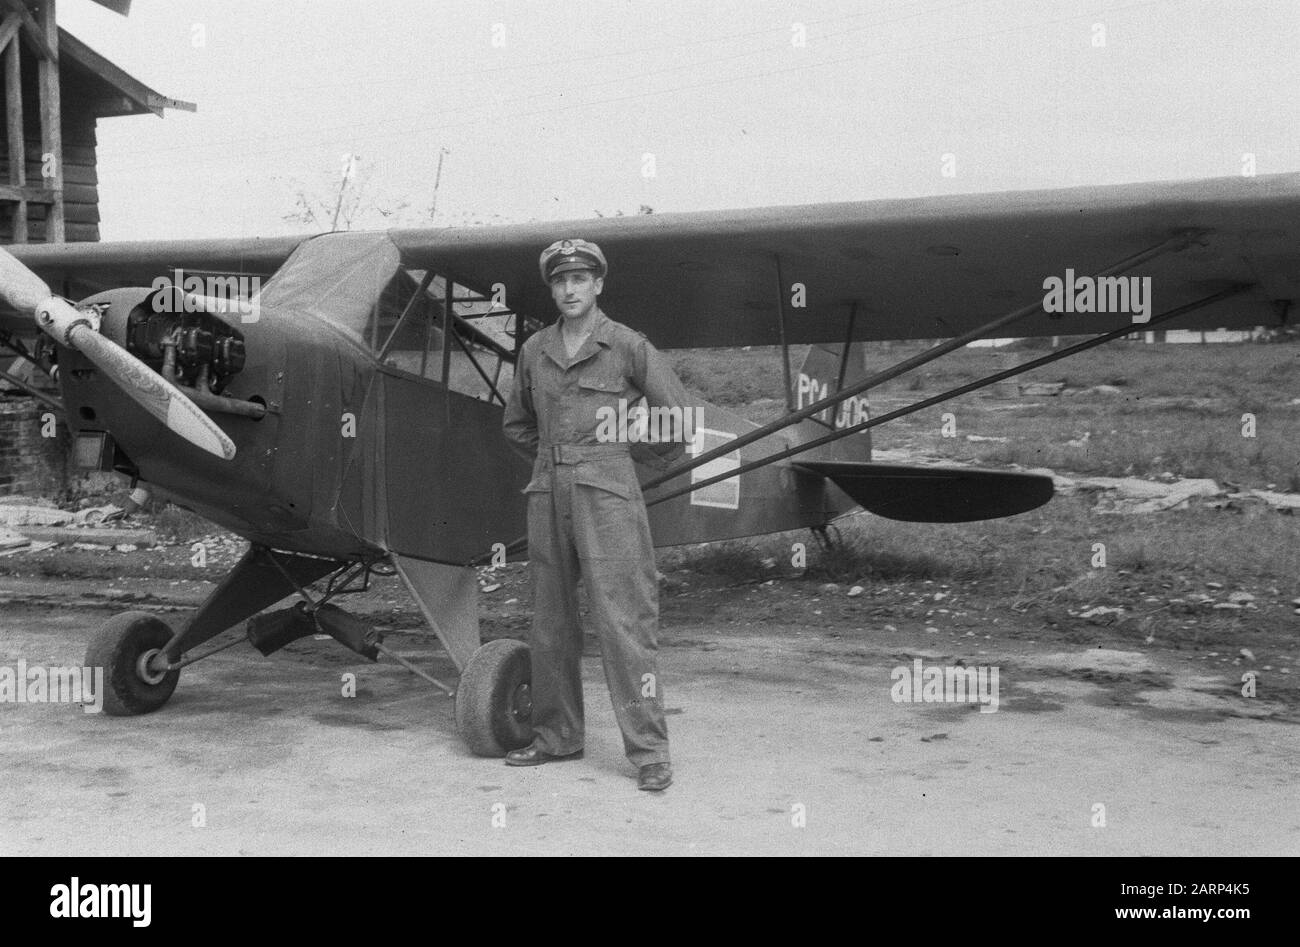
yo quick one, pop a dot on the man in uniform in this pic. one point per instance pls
(587, 517)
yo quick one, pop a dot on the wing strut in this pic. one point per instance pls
(780, 328)
(1174, 243)
(848, 345)
(952, 393)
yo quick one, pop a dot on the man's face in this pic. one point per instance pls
(575, 292)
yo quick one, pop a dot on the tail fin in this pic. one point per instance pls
(826, 370)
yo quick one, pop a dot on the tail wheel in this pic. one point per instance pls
(494, 706)
(126, 648)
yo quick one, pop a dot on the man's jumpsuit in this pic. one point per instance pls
(587, 518)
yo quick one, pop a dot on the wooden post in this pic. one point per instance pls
(51, 123)
(14, 122)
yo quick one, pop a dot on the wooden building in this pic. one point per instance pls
(56, 89)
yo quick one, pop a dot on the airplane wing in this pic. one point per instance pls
(76, 270)
(931, 267)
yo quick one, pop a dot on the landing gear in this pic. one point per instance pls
(130, 650)
(494, 707)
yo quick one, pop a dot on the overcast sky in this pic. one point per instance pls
(549, 110)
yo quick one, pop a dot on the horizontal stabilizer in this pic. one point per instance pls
(935, 494)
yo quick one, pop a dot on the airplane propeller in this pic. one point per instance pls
(25, 291)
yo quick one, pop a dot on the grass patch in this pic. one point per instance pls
(1179, 409)
(1043, 557)
(735, 377)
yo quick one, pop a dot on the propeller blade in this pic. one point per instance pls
(20, 287)
(25, 291)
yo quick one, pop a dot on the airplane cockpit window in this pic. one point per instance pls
(404, 326)
(357, 282)
(476, 357)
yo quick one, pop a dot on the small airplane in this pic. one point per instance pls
(345, 416)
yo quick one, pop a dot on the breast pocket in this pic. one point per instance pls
(602, 384)
(599, 396)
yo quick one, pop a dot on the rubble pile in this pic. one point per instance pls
(30, 525)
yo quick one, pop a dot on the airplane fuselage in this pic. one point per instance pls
(354, 459)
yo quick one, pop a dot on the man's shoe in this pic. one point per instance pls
(655, 777)
(533, 755)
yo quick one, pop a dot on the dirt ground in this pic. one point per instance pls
(786, 739)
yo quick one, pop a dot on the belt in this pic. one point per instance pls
(577, 453)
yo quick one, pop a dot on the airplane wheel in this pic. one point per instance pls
(123, 648)
(494, 706)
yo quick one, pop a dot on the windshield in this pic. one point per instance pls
(339, 277)
(356, 281)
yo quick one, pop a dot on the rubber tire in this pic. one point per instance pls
(484, 716)
(116, 648)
